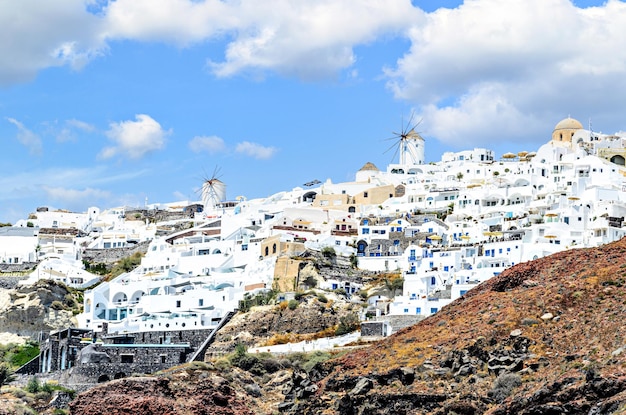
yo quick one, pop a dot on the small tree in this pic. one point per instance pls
(329, 252)
(393, 285)
(33, 385)
(347, 324)
(354, 261)
(6, 374)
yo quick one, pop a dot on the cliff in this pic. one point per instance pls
(543, 337)
(45, 306)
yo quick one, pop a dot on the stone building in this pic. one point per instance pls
(88, 357)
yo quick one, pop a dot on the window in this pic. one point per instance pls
(127, 358)
(433, 310)
(364, 194)
(418, 310)
(177, 303)
(200, 302)
(406, 311)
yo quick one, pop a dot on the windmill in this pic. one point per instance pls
(408, 143)
(213, 190)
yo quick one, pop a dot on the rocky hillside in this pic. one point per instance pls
(312, 315)
(27, 310)
(544, 337)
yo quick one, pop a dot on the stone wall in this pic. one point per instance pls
(112, 255)
(399, 322)
(373, 328)
(30, 368)
(17, 268)
(10, 282)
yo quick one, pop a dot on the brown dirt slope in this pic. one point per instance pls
(547, 336)
(186, 391)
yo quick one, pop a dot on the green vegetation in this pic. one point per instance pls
(310, 282)
(348, 324)
(262, 298)
(260, 364)
(6, 373)
(328, 252)
(34, 386)
(394, 285)
(99, 269)
(354, 261)
(126, 264)
(18, 355)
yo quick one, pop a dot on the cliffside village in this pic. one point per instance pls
(446, 226)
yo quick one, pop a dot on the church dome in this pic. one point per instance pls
(564, 131)
(569, 124)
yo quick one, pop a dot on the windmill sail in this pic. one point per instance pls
(408, 144)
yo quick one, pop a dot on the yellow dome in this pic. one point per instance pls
(564, 131)
(569, 124)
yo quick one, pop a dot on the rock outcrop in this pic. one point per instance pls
(28, 310)
(188, 392)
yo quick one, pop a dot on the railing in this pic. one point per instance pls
(205, 345)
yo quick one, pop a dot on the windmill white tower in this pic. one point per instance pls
(213, 192)
(409, 144)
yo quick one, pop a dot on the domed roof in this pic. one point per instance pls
(569, 124)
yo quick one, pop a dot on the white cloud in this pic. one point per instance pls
(28, 138)
(491, 69)
(135, 139)
(40, 34)
(255, 150)
(80, 125)
(69, 197)
(211, 144)
(308, 39)
(67, 132)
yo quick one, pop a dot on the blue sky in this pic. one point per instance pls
(112, 103)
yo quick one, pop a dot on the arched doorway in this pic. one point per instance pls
(619, 160)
